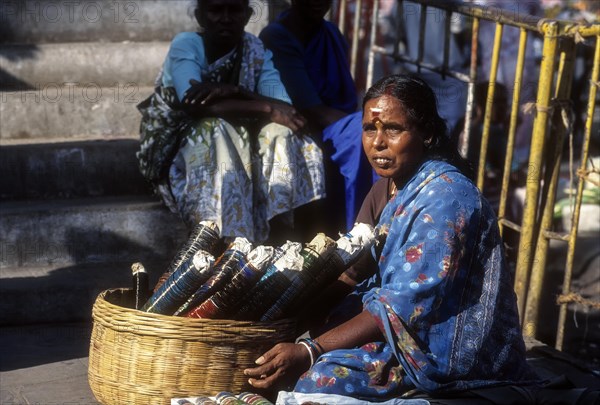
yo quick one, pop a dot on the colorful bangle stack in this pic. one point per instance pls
(314, 349)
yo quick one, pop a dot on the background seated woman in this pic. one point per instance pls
(439, 314)
(235, 158)
(312, 56)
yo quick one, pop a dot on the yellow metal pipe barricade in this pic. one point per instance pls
(464, 148)
(422, 23)
(540, 124)
(489, 104)
(399, 18)
(512, 128)
(355, 34)
(566, 287)
(495, 14)
(371, 62)
(447, 34)
(342, 18)
(535, 227)
(553, 162)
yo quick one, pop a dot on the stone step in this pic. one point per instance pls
(89, 64)
(60, 293)
(57, 111)
(51, 21)
(71, 170)
(88, 230)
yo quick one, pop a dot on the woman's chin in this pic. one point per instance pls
(384, 173)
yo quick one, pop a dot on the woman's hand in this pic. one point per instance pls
(282, 365)
(286, 115)
(203, 93)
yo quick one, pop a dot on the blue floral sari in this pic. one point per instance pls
(443, 299)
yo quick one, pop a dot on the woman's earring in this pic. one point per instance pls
(427, 142)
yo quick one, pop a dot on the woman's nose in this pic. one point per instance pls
(226, 14)
(379, 139)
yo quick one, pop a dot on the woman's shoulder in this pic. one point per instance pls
(380, 184)
(332, 27)
(275, 35)
(273, 28)
(253, 39)
(187, 36)
(441, 179)
(187, 42)
(334, 30)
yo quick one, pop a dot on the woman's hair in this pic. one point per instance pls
(197, 3)
(420, 106)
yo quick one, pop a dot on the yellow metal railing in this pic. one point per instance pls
(572, 237)
(552, 125)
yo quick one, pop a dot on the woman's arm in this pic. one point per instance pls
(205, 93)
(230, 102)
(315, 315)
(285, 362)
(358, 331)
(321, 116)
(289, 59)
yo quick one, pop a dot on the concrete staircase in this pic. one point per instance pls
(74, 210)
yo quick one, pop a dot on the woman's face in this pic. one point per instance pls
(392, 147)
(313, 10)
(223, 20)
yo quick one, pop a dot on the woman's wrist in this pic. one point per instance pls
(309, 350)
(315, 350)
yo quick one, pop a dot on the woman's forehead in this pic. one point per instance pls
(213, 3)
(385, 104)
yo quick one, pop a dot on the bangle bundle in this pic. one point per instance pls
(314, 349)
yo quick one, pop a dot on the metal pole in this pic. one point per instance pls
(485, 136)
(526, 241)
(514, 115)
(355, 32)
(464, 147)
(447, 35)
(371, 65)
(342, 21)
(422, 23)
(566, 287)
(538, 270)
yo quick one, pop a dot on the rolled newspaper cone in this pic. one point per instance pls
(204, 236)
(141, 285)
(315, 255)
(180, 284)
(349, 248)
(220, 275)
(273, 284)
(226, 301)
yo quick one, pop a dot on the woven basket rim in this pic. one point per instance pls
(129, 320)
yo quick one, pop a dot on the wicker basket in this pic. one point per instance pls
(142, 358)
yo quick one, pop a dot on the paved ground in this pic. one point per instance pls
(45, 365)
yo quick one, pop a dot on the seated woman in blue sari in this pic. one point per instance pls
(438, 314)
(227, 137)
(312, 56)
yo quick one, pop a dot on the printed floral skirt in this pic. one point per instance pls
(370, 372)
(223, 175)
